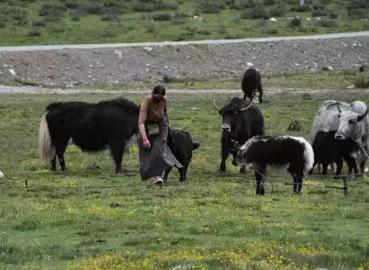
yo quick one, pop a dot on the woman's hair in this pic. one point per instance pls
(159, 89)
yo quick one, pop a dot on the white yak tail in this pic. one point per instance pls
(46, 149)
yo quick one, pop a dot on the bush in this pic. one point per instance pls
(243, 4)
(358, 4)
(210, 6)
(257, 12)
(150, 28)
(358, 13)
(319, 13)
(34, 33)
(268, 2)
(295, 22)
(278, 11)
(363, 80)
(161, 17)
(303, 8)
(177, 20)
(52, 11)
(39, 23)
(108, 17)
(149, 6)
(326, 23)
(96, 9)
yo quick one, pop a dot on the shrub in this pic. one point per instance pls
(243, 4)
(358, 13)
(39, 23)
(278, 11)
(108, 17)
(357, 4)
(161, 17)
(326, 23)
(333, 15)
(295, 22)
(303, 8)
(34, 33)
(268, 2)
(319, 13)
(52, 11)
(210, 6)
(96, 9)
(257, 12)
(150, 28)
(362, 82)
(177, 20)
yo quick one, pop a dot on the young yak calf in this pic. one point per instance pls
(261, 151)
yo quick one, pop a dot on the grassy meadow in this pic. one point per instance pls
(25, 22)
(90, 218)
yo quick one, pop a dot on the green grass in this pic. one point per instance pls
(322, 80)
(62, 22)
(90, 218)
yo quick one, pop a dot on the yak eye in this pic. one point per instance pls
(351, 121)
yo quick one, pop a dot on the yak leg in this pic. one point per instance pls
(351, 164)
(60, 148)
(183, 173)
(259, 176)
(222, 166)
(324, 168)
(166, 173)
(117, 151)
(297, 182)
(339, 163)
(53, 163)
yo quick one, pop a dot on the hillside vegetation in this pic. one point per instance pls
(103, 21)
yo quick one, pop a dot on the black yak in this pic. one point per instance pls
(329, 150)
(241, 121)
(261, 151)
(251, 85)
(92, 127)
(181, 144)
(350, 121)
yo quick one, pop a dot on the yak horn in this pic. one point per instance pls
(361, 117)
(216, 106)
(339, 109)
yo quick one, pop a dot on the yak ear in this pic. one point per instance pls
(195, 146)
(361, 117)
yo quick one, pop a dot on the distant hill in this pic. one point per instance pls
(105, 21)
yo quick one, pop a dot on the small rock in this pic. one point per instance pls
(12, 71)
(1, 175)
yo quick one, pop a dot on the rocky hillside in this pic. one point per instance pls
(169, 62)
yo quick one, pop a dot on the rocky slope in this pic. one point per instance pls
(165, 62)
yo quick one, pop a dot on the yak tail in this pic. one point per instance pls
(46, 149)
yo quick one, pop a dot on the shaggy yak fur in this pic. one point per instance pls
(261, 151)
(92, 127)
(241, 121)
(251, 85)
(181, 144)
(329, 150)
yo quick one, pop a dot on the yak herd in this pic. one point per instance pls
(339, 133)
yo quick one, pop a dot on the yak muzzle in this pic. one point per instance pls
(225, 127)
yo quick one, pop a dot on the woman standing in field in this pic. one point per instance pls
(155, 155)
